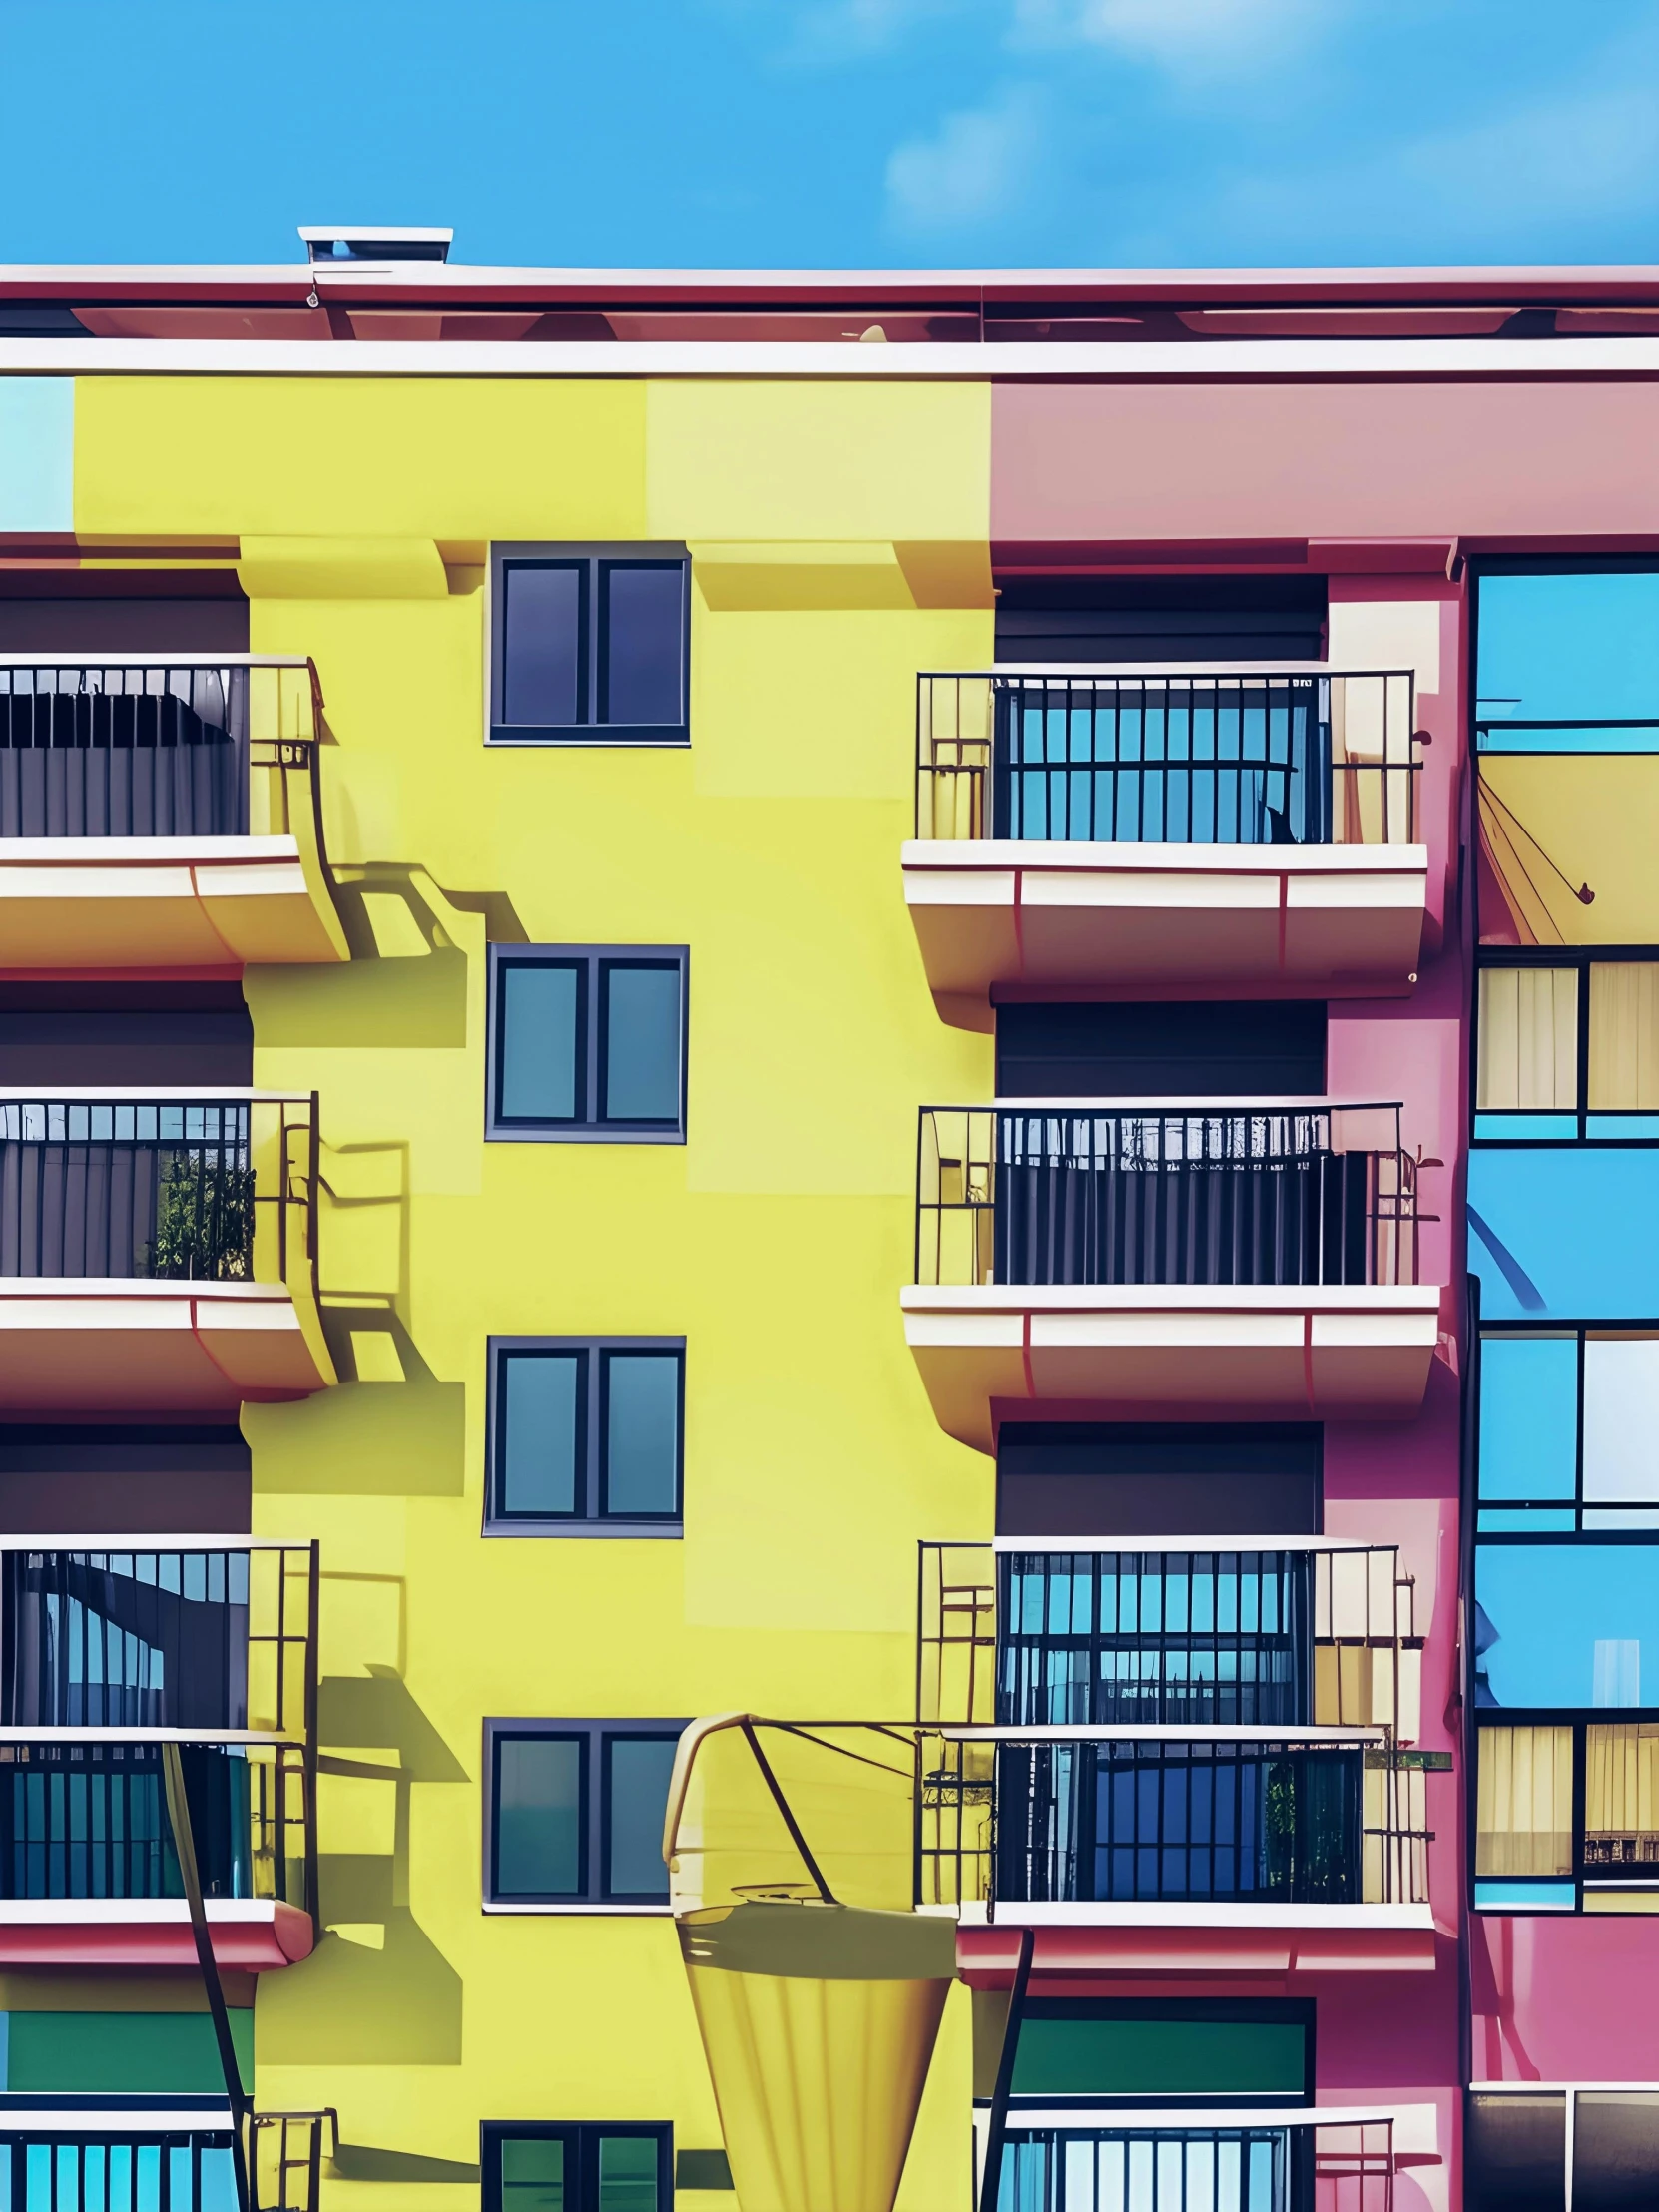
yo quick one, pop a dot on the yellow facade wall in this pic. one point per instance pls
(775, 1240)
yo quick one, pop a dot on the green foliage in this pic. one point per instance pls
(204, 1220)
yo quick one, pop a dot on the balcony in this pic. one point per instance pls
(1167, 834)
(1176, 1759)
(107, 1656)
(158, 1252)
(1167, 1262)
(162, 813)
(131, 2153)
(1264, 2161)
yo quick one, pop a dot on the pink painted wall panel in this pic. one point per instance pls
(1565, 1999)
(1346, 461)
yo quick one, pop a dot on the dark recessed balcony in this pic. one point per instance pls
(1246, 1256)
(109, 1655)
(1148, 833)
(157, 812)
(157, 1251)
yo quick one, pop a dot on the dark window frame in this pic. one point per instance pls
(593, 558)
(582, 2138)
(594, 1895)
(591, 963)
(591, 1518)
(1577, 1504)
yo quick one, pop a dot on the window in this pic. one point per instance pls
(586, 1435)
(573, 1813)
(1175, 1050)
(1533, 1852)
(1567, 1440)
(577, 2166)
(1520, 2153)
(588, 644)
(1121, 1478)
(587, 1043)
(1568, 1051)
(1143, 2050)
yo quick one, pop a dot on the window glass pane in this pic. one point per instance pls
(541, 642)
(644, 651)
(541, 1441)
(627, 2173)
(1528, 1039)
(1624, 1034)
(1621, 1797)
(637, 1768)
(1523, 1823)
(1515, 2154)
(1615, 2148)
(1570, 647)
(1528, 1417)
(1621, 1435)
(533, 2176)
(538, 1816)
(642, 1432)
(1564, 1625)
(1079, 2057)
(641, 1043)
(541, 1059)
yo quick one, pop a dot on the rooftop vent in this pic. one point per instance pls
(366, 242)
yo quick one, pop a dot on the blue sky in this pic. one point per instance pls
(821, 133)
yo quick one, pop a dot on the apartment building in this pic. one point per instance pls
(909, 1014)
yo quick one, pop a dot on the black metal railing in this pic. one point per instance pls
(158, 1638)
(1180, 1194)
(1098, 1821)
(1242, 1638)
(1083, 2167)
(1233, 758)
(96, 2154)
(1156, 1637)
(88, 1820)
(207, 1190)
(149, 747)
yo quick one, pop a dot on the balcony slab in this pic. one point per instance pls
(1079, 1941)
(250, 1935)
(1129, 919)
(83, 1345)
(67, 904)
(1169, 1351)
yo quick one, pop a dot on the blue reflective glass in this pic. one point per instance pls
(1629, 1127)
(1530, 1128)
(637, 1768)
(541, 1433)
(541, 1059)
(642, 1432)
(1550, 1233)
(538, 1816)
(643, 618)
(1564, 1625)
(1524, 1897)
(219, 2183)
(1533, 1522)
(1528, 1417)
(541, 642)
(641, 1043)
(1574, 646)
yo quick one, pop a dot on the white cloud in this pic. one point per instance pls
(1186, 37)
(976, 166)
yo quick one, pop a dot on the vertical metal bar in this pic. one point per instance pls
(996, 2132)
(177, 1813)
(313, 1590)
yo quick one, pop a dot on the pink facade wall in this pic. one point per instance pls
(1344, 461)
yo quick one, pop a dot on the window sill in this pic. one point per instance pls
(672, 1530)
(592, 1134)
(580, 1910)
(645, 739)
